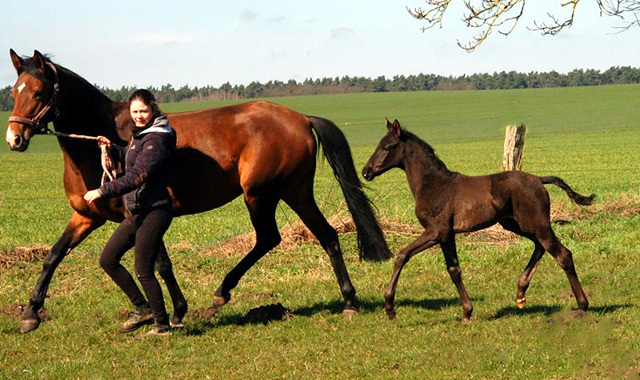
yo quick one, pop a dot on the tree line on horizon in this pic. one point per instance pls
(421, 82)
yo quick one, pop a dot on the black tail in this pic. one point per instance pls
(578, 198)
(371, 242)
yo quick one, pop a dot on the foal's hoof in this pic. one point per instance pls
(521, 302)
(27, 325)
(176, 323)
(219, 301)
(391, 314)
(349, 312)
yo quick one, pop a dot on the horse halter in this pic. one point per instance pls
(40, 127)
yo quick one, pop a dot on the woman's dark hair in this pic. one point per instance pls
(146, 97)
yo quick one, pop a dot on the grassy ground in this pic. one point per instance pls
(588, 136)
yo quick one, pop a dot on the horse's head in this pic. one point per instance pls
(34, 94)
(389, 153)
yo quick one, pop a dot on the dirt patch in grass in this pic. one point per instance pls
(203, 313)
(22, 255)
(15, 312)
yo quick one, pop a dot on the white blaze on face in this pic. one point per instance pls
(10, 137)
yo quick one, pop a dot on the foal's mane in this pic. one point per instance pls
(423, 152)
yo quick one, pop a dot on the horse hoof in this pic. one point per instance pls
(521, 302)
(219, 301)
(391, 314)
(27, 325)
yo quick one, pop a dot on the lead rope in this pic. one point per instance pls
(108, 168)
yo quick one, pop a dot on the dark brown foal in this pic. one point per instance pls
(448, 203)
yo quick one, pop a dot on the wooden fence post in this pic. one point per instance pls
(513, 147)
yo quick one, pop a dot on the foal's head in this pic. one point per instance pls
(400, 148)
(389, 154)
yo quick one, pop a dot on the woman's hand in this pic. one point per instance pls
(92, 195)
(103, 141)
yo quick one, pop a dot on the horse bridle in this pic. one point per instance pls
(38, 126)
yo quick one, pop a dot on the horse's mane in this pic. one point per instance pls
(29, 66)
(425, 152)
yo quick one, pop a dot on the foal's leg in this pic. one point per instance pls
(564, 258)
(78, 228)
(262, 210)
(306, 207)
(453, 267)
(527, 274)
(424, 241)
(165, 269)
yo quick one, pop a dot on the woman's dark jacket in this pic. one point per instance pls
(144, 184)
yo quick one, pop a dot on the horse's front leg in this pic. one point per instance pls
(78, 228)
(262, 210)
(424, 241)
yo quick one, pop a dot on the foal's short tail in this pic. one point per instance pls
(579, 199)
(371, 242)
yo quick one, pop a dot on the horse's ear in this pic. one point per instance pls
(17, 61)
(38, 59)
(396, 128)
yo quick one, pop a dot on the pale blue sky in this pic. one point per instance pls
(150, 43)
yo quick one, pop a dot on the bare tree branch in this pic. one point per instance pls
(620, 8)
(504, 15)
(556, 26)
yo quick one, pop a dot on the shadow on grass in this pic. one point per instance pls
(433, 303)
(208, 319)
(551, 310)
(377, 306)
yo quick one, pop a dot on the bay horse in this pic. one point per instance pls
(448, 203)
(262, 151)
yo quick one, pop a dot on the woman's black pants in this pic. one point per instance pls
(144, 231)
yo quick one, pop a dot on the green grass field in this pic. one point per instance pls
(588, 136)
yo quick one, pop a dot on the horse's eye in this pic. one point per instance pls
(38, 94)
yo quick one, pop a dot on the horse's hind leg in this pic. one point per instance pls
(262, 210)
(564, 258)
(527, 274)
(311, 216)
(165, 269)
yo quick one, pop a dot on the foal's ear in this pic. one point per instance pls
(389, 125)
(15, 59)
(396, 128)
(38, 59)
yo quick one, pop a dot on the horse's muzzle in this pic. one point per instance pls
(17, 142)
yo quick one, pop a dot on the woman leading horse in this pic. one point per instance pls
(260, 150)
